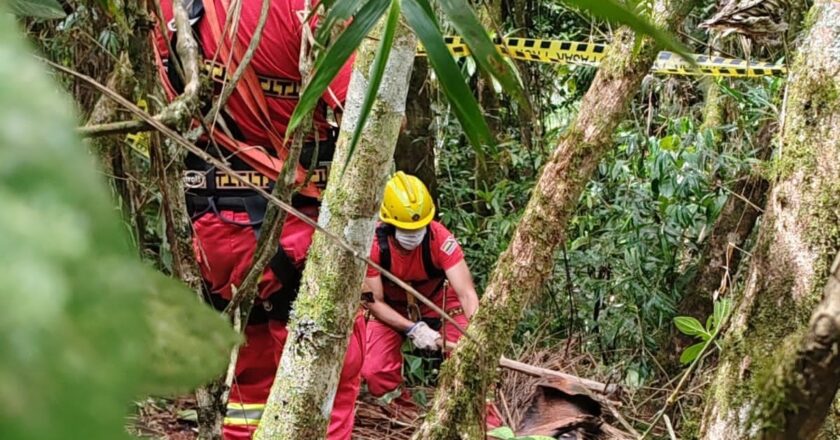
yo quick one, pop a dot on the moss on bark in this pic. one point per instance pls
(302, 395)
(457, 412)
(758, 389)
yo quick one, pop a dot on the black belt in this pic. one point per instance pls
(275, 308)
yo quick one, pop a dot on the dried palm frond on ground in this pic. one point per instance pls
(373, 422)
(165, 419)
(516, 389)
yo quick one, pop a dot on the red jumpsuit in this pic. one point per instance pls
(224, 250)
(382, 369)
(224, 240)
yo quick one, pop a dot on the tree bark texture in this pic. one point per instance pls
(415, 152)
(523, 269)
(487, 161)
(168, 166)
(778, 375)
(302, 395)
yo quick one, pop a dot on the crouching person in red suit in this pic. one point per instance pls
(421, 251)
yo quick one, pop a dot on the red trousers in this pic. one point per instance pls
(224, 248)
(382, 369)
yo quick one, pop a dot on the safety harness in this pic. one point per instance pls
(383, 231)
(253, 90)
(209, 189)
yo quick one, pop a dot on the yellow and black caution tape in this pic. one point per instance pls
(591, 54)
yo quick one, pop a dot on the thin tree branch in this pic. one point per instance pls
(118, 127)
(274, 217)
(189, 146)
(168, 163)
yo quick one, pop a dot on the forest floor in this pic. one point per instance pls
(176, 419)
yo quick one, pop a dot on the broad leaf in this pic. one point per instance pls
(502, 433)
(613, 10)
(332, 60)
(452, 83)
(376, 74)
(690, 326)
(721, 311)
(77, 344)
(462, 17)
(48, 9)
(690, 354)
(191, 342)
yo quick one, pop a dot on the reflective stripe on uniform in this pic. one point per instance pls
(239, 414)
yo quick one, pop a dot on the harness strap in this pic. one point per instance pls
(251, 92)
(432, 271)
(383, 231)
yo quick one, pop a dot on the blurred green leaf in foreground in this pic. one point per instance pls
(85, 327)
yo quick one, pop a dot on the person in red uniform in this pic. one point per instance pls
(227, 218)
(421, 251)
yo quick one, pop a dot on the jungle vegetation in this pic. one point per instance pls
(674, 236)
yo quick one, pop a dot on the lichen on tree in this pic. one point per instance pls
(302, 396)
(764, 388)
(525, 266)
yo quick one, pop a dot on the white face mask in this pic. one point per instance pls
(409, 240)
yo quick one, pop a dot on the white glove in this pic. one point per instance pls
(422, 336)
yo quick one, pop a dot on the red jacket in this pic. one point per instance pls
(276, 57)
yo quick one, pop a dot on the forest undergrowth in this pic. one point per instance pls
(626, 279)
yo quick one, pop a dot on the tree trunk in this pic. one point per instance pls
(415, 152)
(487, 162)
(168, 166)
(302, 395)
(525, 266)
(772, 383)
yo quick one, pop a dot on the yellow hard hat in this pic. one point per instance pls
(407, 203)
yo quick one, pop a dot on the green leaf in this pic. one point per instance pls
(613, 10)
(188, 415)
(691, 353)
(502, 433)
(77, 342)
(47, 9)
(669, 143)
(484, 52)
(191, 342)
(722, 309)
(460, 97)
(378, 71)
(689, 326)
(330, 62)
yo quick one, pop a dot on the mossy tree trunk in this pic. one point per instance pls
(303, 392)
(415, 152)
(771, 381)
(523, 269)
